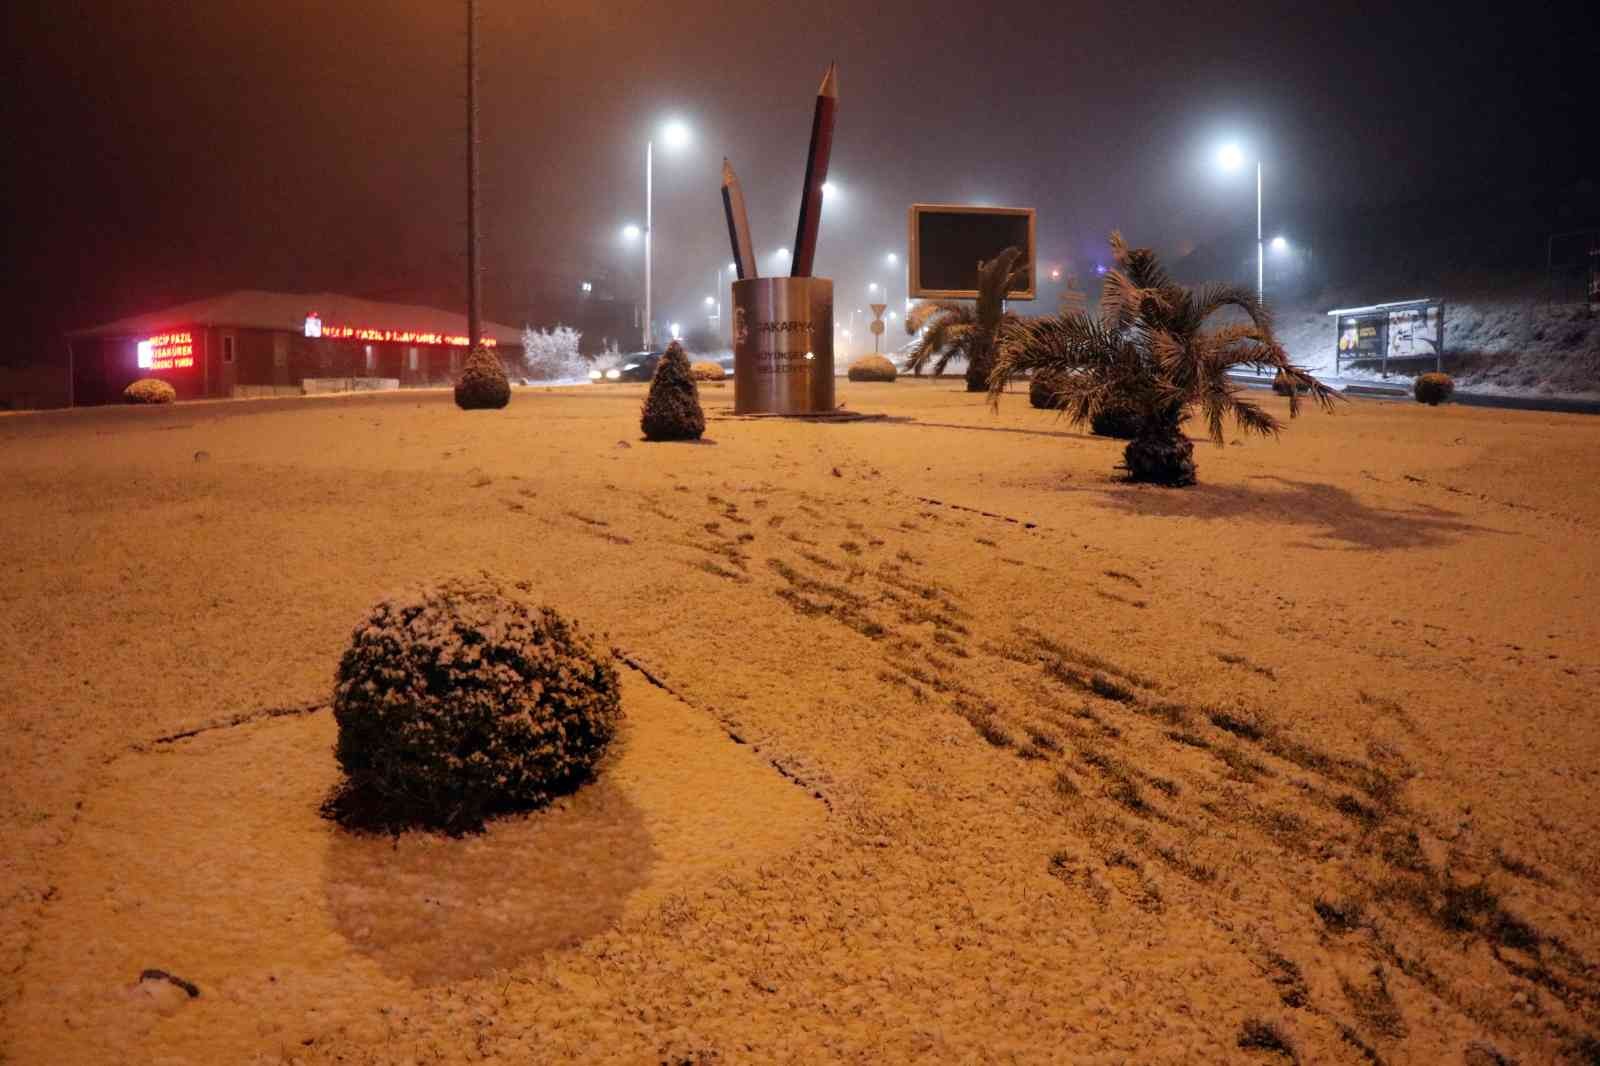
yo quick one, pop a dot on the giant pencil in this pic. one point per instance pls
(805, 237)
(744, 260)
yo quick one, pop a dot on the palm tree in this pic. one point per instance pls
(1149, 349)
(958, 328)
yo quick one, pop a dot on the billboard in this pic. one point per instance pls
(1407, 330)
(948, 241)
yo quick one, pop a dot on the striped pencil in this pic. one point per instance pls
(805, 237)
(744, 260)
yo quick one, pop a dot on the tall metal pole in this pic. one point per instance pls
(1261, 254)
(474, 286)
(649, 219)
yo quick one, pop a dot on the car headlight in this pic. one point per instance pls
(595, 375)
(613, 374)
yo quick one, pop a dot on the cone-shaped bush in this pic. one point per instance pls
(466, 700)
(150, 390)
(1433, 388)
(872, 368)
(483, 382)
(708, 371)
(672, 410)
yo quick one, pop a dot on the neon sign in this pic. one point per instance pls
(315, 328)
(168, 351)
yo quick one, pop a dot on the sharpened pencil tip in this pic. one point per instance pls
(830, 81)
(727, 171)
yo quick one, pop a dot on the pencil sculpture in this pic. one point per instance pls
(744, 260)
(805, 237)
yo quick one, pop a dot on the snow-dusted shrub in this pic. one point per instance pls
(150, 390)
(483, 382)
(552, 354)
(465, 700)
(872, 368)
(703, 371)
(1433, 388)
(672, 409)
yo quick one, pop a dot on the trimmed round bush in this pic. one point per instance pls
(704, 371)
(672, 409)
(872, 368)
(150, 390)
(1433, 388)
(1042, 391)
(465, 700)
(483, 384)
(1120, 423)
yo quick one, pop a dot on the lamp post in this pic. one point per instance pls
(1232, 158)
(474, 277)
(674, 135)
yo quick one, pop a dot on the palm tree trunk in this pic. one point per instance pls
(979, 364)
(1161, 454)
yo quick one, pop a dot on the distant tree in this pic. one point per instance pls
(1149, 350)
(948, 329)
(552, 354)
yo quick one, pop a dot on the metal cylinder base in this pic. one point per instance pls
(783, 346)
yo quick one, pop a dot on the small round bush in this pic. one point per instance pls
(1433, 388)
(466, 700)
(483, 384)
(150, 390)
(704, 371)
(1042, 391)
(672, 409)
(1281, 385)
(872, 368)
(1121, 423)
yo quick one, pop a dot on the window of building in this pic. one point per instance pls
(372, 359)
(455, 360)
(227, 347)
(280, 351)
(411, 359)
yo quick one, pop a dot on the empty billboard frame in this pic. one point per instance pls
(947, 241)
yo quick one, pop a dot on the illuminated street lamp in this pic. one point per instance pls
(674, 134)
(891, 259)
(1280, 243)
(1231, 157)
(631, 232)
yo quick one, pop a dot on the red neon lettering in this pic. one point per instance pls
(397, 336)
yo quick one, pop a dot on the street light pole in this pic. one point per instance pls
(649, 217)
(1261, 255)
(474, 279)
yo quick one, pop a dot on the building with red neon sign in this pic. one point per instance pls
(253, 343)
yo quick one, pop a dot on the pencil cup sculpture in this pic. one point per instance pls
(783, 346)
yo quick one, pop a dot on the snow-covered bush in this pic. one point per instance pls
(704, 371)
(871, 368)
(483, 382)
(1433, 388)
(465, 700)
(552, 354)
(672, 408)
(150, 390)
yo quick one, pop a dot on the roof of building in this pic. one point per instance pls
(255, 309)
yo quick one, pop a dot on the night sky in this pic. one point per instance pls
(162, 151)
